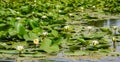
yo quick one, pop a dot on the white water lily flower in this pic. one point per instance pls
(89, 27)
(45, 33)
(82, 8)
(60, 11)
(19, 48)
(44, 17)
(95, 42)
(70, 14)
(66, 27)
(114, 39)
(115, 27)
(93, 6)
(18, 18)
(36, 41)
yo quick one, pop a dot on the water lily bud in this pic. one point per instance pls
(36, 41)
(66, 27)
(18, 18)
(19, 48)
(115, 27)
(43, 17)
(95, 42)
(70, 14)
(114, 39)
(82, 8)
(60, 11)
(89, 27)
(45, 33)
(93, 6)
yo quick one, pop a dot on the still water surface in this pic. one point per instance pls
(105, 23)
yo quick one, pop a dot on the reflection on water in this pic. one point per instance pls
(105, 23)
(50, 60)
(104, 59)
(111, 22)
(61, 54)
(110, 59)
(118, 47)
(1, 60)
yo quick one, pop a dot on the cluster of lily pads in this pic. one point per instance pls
(40, 26)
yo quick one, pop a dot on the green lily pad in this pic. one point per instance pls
(9, 51)
(33, 55)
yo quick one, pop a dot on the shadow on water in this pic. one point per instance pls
(105, 23)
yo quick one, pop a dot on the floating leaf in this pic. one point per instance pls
(22, 30)
(33, 35)
(8, 51)
(12, 32)
(3, 45)
(55, 33)
(54, 48)
(30, 36)
(26, 37)
(14, 45)
(37, 30)
(45, 45)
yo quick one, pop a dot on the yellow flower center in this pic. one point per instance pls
(36, 41)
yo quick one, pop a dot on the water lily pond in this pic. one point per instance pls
(59, 31)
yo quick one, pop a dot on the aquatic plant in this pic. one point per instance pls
(45, 34)
(114, 42)
(20, 49)
(45, 23)
(36, 41)
(95, 42)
